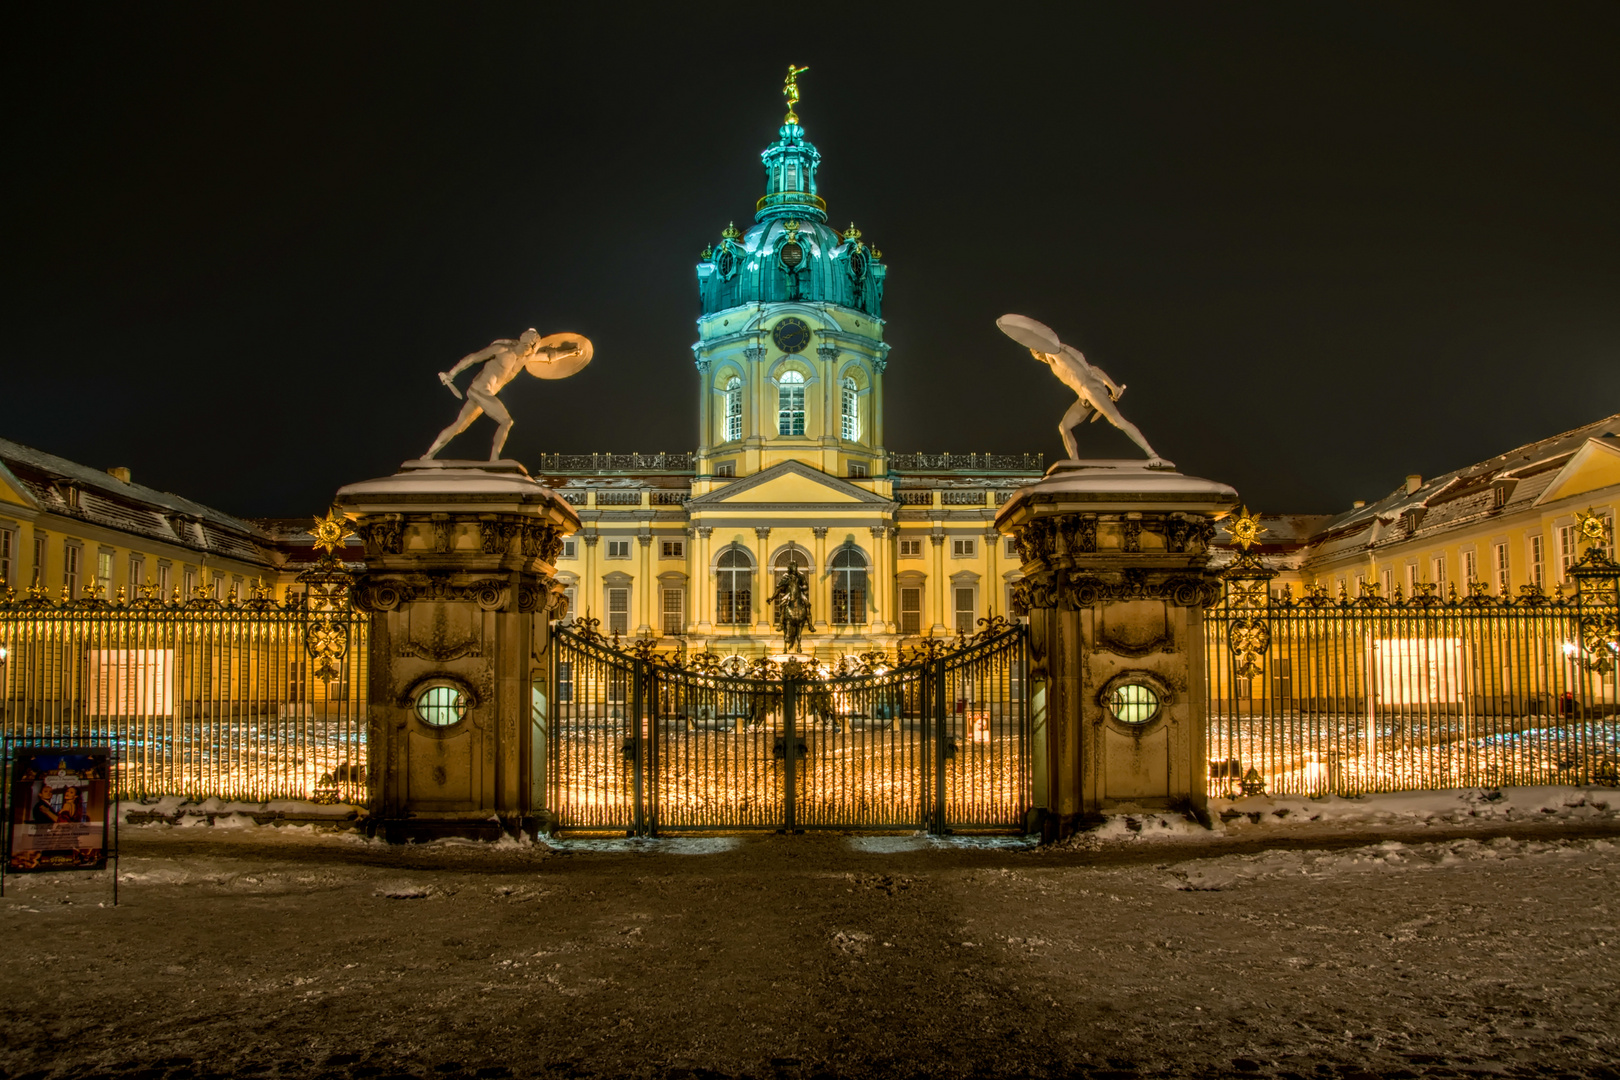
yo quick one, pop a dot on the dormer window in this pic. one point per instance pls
(1501, 491)
(1412, 518)
(70, 496)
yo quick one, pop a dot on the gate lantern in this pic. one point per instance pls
(1115, 562)
(460, 581)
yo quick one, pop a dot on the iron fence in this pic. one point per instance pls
(935, 738)
(238, 699)
(1314, 695)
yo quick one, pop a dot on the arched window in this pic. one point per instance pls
(733, 430)
(734, 587)
(790, 556)
(849, 587)
(852, 417)
(790, 404)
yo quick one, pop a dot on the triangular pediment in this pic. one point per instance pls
(792, 483)
(13, 491)
(1595, 465)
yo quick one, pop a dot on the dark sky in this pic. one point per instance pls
(1325, 245)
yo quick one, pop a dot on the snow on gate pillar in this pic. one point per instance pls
(1115, 563)
(460, 583)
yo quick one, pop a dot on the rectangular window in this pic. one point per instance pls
(726, 468)
(911, 611)
(618, 549)
(163, 581)
(39, 559)
(1386, 583)
(618, 611)
(790, 407)
(295, 681)
(137, 574)
(6, 539)
(1470, 568)
(570, 549)
(1011, 548)
(674, 611)
(70, 569)
(565, 681)
(911, 549)
(734, 411)
(1500, 561)
(104, 572)
(963, 549)
(1411, 579)
(570, 603)
(188, 583)
(857, 470)
(1438, 569)
(851, 417)
(964, 611)
(1537, 571)
(673, 549)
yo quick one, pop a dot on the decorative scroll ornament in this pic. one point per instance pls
(1600, 641)
(1250, 638)
(326, 598)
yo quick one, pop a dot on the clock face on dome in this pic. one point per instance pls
(791, 335)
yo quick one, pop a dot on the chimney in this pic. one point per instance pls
(1413, 482)
(1358, 504)
(118, 472)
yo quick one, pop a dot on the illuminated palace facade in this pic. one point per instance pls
(790, 467)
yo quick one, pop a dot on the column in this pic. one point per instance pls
(877, 400)
(881, 583)
(990, 598)
(590, 589)
(645, 585)
(821, 581)
(762, 591)
(702, 589)
(705, 417)
(937, 580)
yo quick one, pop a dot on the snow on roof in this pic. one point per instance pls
(106, 501)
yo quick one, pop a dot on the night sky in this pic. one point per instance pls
(1325, 245)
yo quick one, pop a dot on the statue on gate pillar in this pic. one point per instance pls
(554, 356)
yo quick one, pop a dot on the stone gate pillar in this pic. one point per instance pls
(460, 580)
(1114, 558)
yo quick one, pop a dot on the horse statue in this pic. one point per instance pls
(791, 601)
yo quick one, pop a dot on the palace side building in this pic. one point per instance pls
(790, 467)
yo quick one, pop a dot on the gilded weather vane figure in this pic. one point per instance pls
(552, 356)
(790, 90)
(1095, 391)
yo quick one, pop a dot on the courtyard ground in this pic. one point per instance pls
(1369, 942)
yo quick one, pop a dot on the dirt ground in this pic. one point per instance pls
(279, 952)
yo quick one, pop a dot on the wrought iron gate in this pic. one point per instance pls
(936, 738)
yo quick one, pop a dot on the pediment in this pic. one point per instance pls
(792, 483)
(1594, 466)
(14, 491)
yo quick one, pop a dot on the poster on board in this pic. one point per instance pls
(58, 808)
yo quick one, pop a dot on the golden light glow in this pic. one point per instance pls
(330, 532)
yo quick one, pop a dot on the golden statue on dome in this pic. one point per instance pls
(790, 90)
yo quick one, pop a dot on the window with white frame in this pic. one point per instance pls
(1010, 548)
(911, 610)
(1386, 583)
(849, 587)
(1537, 559)
(163, 580)
(39, 559)
(674, 611)
(1437, 570)
(1568, 541)
(851, 428)
(672, 549)
(570, 549)
(7, 538)
(137, 573)
(733, 587)
(188, 584)
(1470, 567)
(618, 549)
(726, 468)
(570, 603)
(790, 404)
(734, 394)
(965, 612)
(857, 470)
(963, 548)
(104, 563)
(1499, 560)
(618, 605)
(1411, 579)
(70, 568)
(911, 549)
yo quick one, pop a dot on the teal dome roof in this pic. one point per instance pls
(791, 253)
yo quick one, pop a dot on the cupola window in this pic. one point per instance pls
(733, 409)
(851, 416)
(790, 404)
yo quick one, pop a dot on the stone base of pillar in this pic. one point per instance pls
(1115, 561)
(460, 579)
